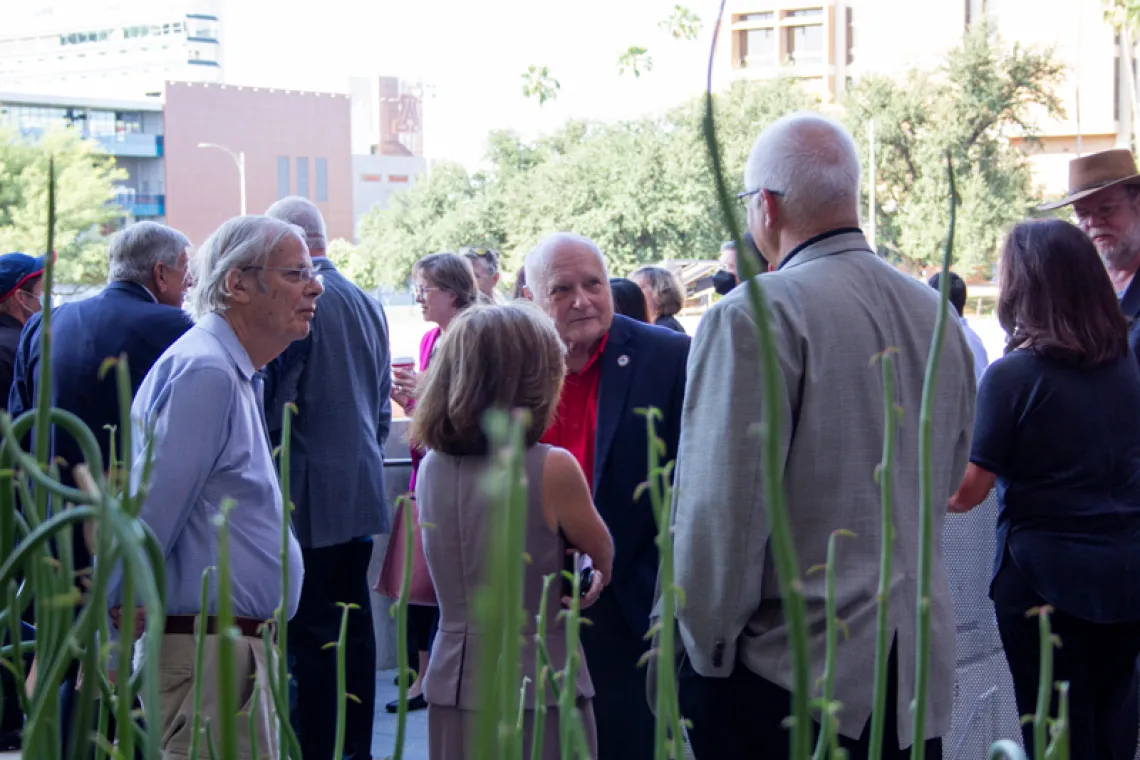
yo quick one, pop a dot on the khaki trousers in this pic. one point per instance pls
(176, 684)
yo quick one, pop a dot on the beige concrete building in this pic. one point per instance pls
(829, 43)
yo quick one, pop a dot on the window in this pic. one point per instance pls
(757, 48)
(805, 44)
(805, 13)
(282, 177)
(303, 177)
(767, 16)
(322, 180)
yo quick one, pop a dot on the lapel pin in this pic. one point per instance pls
(623, 360)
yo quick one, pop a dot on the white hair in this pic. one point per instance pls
(134, 251)
(304, 213)
(240, 243)
(539, 260)
(811, 161)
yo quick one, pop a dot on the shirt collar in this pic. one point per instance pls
(598, 351)
(220, 328)
(817, 239)
(134, 287)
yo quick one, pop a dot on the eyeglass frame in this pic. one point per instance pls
(418, 292)
(313, 274)
(748, 193)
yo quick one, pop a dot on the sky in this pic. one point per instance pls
(471, 55)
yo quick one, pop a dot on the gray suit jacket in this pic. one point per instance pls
(834, 306)
(339, 377)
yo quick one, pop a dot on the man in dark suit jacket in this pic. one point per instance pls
(615, 366)
(339, 377)
(137, 314)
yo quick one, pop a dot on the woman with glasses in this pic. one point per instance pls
(1057, 429)
(445, 285)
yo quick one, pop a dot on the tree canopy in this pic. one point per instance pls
(85, 180)
(643, 191)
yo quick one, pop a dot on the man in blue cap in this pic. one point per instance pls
(21, 287)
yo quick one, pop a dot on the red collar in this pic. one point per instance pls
(594, 357)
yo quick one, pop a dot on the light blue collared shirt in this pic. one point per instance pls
(210, 444)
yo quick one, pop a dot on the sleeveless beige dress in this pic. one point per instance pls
(449, 495)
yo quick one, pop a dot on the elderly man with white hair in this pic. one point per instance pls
(339, 377)
(835, 305)
(255, 292)
(615, 367)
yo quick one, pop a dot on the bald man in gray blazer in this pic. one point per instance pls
(834, 306)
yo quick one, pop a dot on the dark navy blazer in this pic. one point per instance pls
(123, 318)
(642, 366)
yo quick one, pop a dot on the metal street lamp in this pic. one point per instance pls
(239, 159)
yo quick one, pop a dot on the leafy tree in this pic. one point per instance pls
(635, 60)
(539, 84)
(682, 24)
(1124, 16)
(85, 180)
(985, 94)
(639, 188)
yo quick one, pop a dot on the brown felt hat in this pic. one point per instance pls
(1096, 171)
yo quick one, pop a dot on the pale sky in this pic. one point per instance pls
(472, 53)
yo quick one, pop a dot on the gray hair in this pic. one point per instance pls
(811, 160)
(242, 242)
(539, 259)
(134, 251)
(304, 213)
(665, 286)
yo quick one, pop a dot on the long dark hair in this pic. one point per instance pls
(1056, 298)
(629, 300)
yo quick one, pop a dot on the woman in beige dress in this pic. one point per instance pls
(498, 357)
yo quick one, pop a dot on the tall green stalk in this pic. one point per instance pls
(926, 485)
(1045, 681)
(827, 742)
(782, 542)
(226, 638)
(885, 477)
(282, 632)
(400, 610)
(542, 672)
(199, 664)
(341, 679)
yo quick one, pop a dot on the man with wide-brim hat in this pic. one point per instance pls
(1104, 191)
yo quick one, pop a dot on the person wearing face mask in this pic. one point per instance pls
(727, 278)
(21, 286)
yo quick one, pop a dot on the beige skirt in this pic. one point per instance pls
(451, 730)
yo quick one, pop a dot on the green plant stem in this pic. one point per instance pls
(567, 698)
(199, 664)
(541, 671)
(341, 679)
(829, 729)
(279, 693)
(226, 636)
(1059, 735)
(886, 555)
(282, 632)
(781, 541)
(401, 608)
(1044, 683)
(926, 487)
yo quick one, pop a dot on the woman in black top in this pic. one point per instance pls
(1058, 430)
(629, 301)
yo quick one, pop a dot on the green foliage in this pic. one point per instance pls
(682, 24)
(85, 178)
(636, 60)
(538, 84)
(1122, 14)
(983, 95)
(639, 188)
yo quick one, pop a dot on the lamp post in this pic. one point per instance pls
(239, 159)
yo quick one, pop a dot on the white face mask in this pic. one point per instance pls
(24, 295)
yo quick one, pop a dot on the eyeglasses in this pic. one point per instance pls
(743, 197)
(420, 292)
(293, 274)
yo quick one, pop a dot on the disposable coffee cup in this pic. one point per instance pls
(405, 363)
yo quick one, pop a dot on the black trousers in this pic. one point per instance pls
(1098, 661)
(423, 623)
(741, 717)
(621, 710)
(333, 574)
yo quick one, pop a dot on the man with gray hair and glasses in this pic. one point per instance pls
(255, 291)
(339, 377)
(835, 306)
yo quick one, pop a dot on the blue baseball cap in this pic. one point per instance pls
(16, 269)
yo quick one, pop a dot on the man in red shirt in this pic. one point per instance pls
(615, 366)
